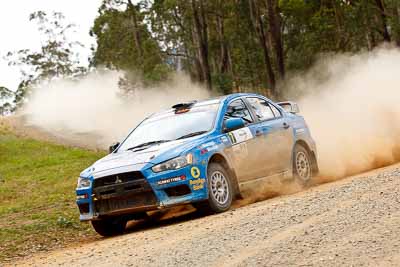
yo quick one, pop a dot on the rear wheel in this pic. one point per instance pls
(302, 165)
(109, 227)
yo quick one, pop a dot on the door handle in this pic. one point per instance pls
(286, 125)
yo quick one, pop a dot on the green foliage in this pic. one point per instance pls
(57, 57)
(37, 198)
(223, 83)
(125, 43)
(6, 98)
(226, 45)
(308, 28)
(5, 93)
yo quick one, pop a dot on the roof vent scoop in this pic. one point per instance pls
(184, 105)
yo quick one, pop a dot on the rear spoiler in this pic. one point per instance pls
(289, 106)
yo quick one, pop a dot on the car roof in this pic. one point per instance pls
(236, 95)
(209, 101)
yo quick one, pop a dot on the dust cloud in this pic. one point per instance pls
(92, 112)
(352, 106)
(351, 103)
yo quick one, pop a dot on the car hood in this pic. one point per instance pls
(135, 160)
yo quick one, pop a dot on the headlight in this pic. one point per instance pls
(83, 182)
(174, 164)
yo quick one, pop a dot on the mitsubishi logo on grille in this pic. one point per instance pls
(118, 181)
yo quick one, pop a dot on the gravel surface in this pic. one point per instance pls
(352, 222)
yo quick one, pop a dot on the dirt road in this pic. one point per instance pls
(352, 222)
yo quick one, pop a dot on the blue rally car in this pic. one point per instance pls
(203, 152)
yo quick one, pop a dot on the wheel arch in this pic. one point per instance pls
(221, 159)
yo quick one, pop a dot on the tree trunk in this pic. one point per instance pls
(259, 29)
(340, 31)
(274, 22)
(135, 28)
(396, 20)
(384, 30)
(368, 31)
(223, 46)
(200, 28)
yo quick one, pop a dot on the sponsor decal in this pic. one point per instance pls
(171, 180)
(240, 152)
(117, 180)
(240, 135)
(210, 146)
(224, 139)
(197, 184)
(195, 172)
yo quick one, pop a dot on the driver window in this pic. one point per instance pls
(237, 109)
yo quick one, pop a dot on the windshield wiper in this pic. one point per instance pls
(148, 144)
(191, 134)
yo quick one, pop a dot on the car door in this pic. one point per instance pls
(274, 137)
(242, 142)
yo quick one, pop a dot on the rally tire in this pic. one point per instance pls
(109, 227)
(302, 166)
(220, 189)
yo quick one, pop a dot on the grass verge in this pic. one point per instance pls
(37, 195)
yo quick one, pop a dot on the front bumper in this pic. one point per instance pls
(140, 191)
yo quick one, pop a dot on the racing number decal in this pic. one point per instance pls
(232, 138)
(195, 172)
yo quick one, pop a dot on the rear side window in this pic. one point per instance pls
(237, 109)
(276, 111)
(261, 108)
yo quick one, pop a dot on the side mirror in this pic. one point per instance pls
(113, 147)
(289, 106)
(233, 124)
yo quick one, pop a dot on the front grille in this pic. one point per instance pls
(129, 192)
(141, 200)
(117, 178)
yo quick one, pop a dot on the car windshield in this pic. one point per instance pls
(170, 126)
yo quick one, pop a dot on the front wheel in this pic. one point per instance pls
(220, 189)
(302, 165)
(109, 227)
